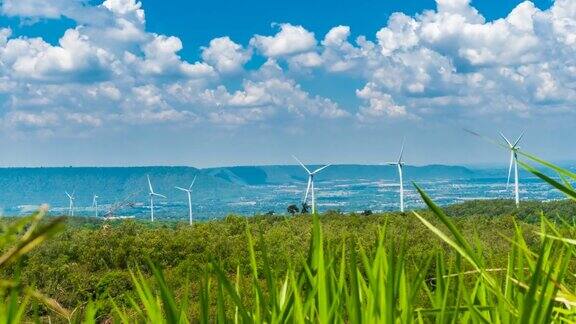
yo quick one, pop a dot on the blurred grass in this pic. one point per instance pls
(16, 240)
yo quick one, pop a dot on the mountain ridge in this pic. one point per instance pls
(276, 174)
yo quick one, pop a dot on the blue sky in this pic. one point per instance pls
(123, 82)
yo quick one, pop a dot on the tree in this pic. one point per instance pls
(367, 212)
(305, 208)
(293, 209)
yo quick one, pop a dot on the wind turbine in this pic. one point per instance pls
(310, 187)
(189, 192)
(95, 204)
(513, 147)
(400, 164)
(152, 194)
(71, 198)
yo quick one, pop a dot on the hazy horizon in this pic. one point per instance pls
(494, 165)
(246, 191)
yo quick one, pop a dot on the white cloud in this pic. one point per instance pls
(111, 71)
(78, 10)
(37, 120)
(444, 63)
(504, 41)
(129, 8)
(274, 98)
(84, 119)
(338, 54)
(225, 55)
(307, 60)
(35, 8)
(75, 59)
(289, 40)
(5, 33)
(337, 36)
(440, 62)
(161, 59)
(460, 8)
(379, 105)
(563, 20)
(400, 34)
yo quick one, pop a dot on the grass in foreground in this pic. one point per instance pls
(346, 282)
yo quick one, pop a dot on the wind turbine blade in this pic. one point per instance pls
(308, 188)
(192, 184)
(401, 152)
(504, 137)
(159, 195)
(302, 164)
(519, 138)
(180, 188)
(320, 169)
(391, 163)
(149, 184)
(67, 194)
(488, 139)
(510, 169)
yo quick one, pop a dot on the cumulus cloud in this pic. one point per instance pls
(110, 70)
(380, 105)
(225, 55)
(289, 40)
(307, 60)
(75, 59)
(562, 18)
(269, 94)
(338, 54)
(33, 10)
(400, 34)
(452, 57)
(161, 59)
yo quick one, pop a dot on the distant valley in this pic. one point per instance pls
(243, 189)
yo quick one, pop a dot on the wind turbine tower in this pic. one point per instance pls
(400, 165)
(513, 147)
(152, 194)
(71, 206)
(310, 187)
(95, 205)
(189, 193)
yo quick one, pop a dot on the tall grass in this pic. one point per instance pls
(347, 284)
(17, 239)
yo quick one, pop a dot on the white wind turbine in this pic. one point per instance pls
(71, 199)
(189, 193)
(310, 187)
(513, 147)
(95, 204)
(151, 193)
(400, 164)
